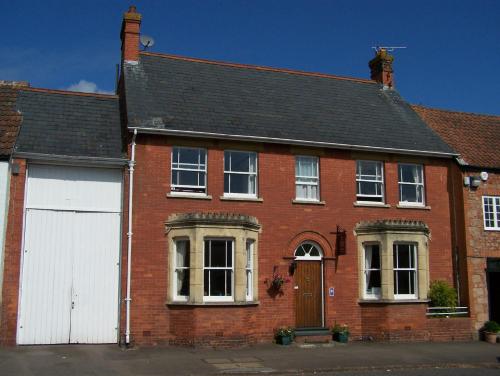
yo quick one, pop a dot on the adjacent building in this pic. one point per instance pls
(476, 189)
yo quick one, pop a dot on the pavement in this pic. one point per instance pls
(307, 359)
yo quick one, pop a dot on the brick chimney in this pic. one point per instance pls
(131, 27)
(381, 68)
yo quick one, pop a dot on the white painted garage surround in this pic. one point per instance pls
(70, 262)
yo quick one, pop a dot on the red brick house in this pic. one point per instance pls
(476, 178)
(243, 175)
(255, 198)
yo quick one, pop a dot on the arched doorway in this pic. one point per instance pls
(308, 285)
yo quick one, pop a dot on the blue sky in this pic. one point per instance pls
(452, 59)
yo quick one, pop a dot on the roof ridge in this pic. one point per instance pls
(454, 111)
(258, 67)
(68, 92)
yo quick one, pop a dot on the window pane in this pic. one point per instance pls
(229, 252)
(300, 251)
(226, 183)
(369, 170)
(229, 284)
(314, 251)
(369, 188)
(227, 161)
(301, 191)
(240, 161)
(403, 256)
(218, 253)
(188, 155)
(373, 282)
(372, 257)
(189, 178)
(183, 282)
(207, 252)
(218, 282)
(206, 279)
(252, 184)
(182, 259)
(409, 193)
(239, 184)
(403, 282)
(253, 162)
(410, 173)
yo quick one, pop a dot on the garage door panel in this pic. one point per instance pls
(70, 270)
(74, 188)
(46, 279)
(95, 282)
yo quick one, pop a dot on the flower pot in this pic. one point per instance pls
(490, 337)
(285, 340)
(341, 337)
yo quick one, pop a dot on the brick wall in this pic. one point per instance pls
(155, 322)
(12, 257)
(480, 244)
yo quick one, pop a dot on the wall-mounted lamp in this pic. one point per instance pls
(475, 181)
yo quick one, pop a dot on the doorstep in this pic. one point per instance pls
(313, 335)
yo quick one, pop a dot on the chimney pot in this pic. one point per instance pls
(381, 68)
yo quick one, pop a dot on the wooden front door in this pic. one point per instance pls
(308, 294)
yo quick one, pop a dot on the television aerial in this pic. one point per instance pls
(147, 41)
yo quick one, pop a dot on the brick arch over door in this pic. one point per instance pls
(311, 236)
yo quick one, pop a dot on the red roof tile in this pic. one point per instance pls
(475, 137)
(10, 119)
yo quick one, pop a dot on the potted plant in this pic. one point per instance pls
(284, 335)
(491, 329)
(340, 333)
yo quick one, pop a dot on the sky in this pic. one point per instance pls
(452, 59)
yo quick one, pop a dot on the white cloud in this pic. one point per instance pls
(87, 87)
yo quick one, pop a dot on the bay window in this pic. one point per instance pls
(372, 274)
(181, 278)
(218, 270)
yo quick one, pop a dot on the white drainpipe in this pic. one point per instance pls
(131, 165)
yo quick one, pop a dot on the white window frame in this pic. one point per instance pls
(249, 173)
(210, 298)
(309, 181)
(367, 295)
(179, 189)
(181, 298)
(249, 248)
(495, 203)
(307, 256)
(359, 179)
(401, 183)
(414, 251)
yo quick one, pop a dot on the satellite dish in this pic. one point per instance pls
(147, 41)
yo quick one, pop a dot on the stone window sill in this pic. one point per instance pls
(305, 202)
(371, 205)
(251, 199)
(421, 207)
(213, 304)
(196, 197)
(393, 301)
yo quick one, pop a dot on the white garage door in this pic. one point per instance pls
(70, 265)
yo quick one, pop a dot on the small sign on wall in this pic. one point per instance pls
(331, 291)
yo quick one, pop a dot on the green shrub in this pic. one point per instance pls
(491, 326)
(442, 294)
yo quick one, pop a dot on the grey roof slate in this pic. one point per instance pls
(174, 93)
(69, 124)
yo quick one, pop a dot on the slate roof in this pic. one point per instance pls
(59, 123)
(476, 137)
(173, 94)
(10, 120)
